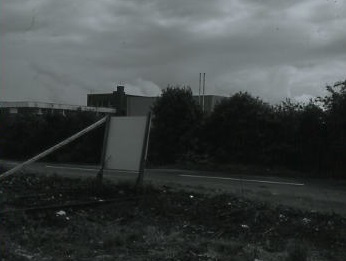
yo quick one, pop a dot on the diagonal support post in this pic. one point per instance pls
(52, 149)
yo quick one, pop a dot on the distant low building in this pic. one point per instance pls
(132, 105)
(40, 108)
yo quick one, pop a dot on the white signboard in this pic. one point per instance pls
(126, 138)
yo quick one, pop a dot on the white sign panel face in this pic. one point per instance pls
(125, 143)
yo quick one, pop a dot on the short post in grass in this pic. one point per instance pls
(144, 157)
(99, 177)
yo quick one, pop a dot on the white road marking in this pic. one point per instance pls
(91, 169)
(73, 168)
(245, 180)
(189, 176)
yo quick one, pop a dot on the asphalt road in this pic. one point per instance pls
(312, 195)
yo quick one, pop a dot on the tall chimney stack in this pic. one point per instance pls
(199, 89)
(203, 90)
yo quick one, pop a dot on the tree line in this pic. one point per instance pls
(243, 129)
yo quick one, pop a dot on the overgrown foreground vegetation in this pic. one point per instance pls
(160, 223)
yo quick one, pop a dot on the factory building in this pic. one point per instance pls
(40, 108)
(132, 105)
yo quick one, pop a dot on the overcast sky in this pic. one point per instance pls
(61, 50)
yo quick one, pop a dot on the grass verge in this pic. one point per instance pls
(156, 223)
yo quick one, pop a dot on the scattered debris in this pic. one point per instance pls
(60, 213)
(181, 228)
(306, 221)
(24, 253)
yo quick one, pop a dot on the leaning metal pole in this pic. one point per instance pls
(52, 149)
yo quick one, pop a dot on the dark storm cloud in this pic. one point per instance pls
(61, 50)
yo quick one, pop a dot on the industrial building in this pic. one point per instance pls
(132, 105)
(40, 108)
(116, 103)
